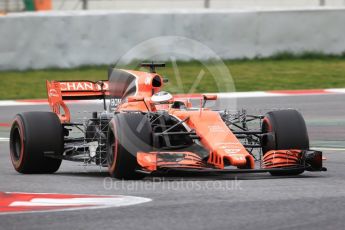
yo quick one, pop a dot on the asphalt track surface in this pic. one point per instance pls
(310, 201)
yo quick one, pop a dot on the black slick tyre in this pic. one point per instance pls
(286, 129)
(128, 134)
(32, 135)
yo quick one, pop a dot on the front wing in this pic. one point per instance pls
(154, 163)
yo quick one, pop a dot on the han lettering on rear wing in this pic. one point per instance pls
(58, 91)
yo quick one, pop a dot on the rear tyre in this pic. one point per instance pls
(128, 134)
(33, 134)
(286, 129)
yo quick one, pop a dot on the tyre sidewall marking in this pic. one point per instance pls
(115, 150)
(269, 125)
(18, 163)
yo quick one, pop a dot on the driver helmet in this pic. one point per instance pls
(161, 97)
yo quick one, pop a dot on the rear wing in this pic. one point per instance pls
(58, 91)
(79, 90)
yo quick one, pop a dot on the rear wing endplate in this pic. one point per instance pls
(58, 91)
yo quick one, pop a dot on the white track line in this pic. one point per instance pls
(252, 94)
(4, 139)
(19, 103)
(328, 149)
(68, 204)
(335, 90)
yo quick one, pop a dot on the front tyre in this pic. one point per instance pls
(32, 135)
(285, 129)
(128, 134)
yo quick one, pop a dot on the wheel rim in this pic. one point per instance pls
(266, 125)
(112, 151)
(16, 144)
(266, 129)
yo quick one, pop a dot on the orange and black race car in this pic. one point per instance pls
(146, 131)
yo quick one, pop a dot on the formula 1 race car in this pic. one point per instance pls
(146, 131)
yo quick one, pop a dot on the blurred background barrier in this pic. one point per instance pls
(7, 6)
(19, 5)
(73, 38)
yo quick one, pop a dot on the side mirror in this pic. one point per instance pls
(210, 97)
(135, 98)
